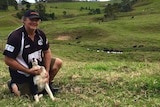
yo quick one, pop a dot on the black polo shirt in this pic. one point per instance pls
(20, 47)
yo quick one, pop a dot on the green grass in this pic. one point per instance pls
(98, 84)
(96, 79)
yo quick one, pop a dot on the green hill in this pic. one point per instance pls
(138, 37)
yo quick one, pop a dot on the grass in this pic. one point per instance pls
(99, 84)
(73, 9)
(96, 79)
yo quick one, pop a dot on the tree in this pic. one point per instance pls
(13, 3)
(3, 5)
(40, 7)
(27, 4)
(52, 16)
(64, 13)
(126, 6)
(109, 11)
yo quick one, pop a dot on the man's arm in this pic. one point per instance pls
(17, 66)
(47, 59)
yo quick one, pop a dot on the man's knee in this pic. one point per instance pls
(55, 65)
(58, 62)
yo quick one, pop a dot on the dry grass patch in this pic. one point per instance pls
(63, 37)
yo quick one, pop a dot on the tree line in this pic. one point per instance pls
(62, 0)
(5, 3)
(40, 7)
(111, 10)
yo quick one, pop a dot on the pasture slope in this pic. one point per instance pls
(91, 77)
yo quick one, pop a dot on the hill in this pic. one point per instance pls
(138, 37)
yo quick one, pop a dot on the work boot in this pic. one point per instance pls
(9, 86)
(53, 89)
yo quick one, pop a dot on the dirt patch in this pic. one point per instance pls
(61, 37)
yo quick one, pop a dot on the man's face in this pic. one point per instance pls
(31, 24)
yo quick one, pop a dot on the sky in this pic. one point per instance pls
(33, 1)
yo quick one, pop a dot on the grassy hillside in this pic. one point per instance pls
(138, 38)
(91, 77)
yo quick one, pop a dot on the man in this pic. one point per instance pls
(24, 44)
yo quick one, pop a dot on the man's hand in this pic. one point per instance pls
(35, 71)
